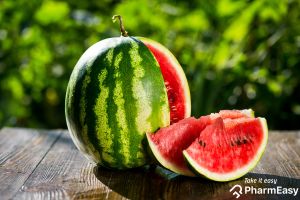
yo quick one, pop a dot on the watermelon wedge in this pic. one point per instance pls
(228, 148)
(168, 143)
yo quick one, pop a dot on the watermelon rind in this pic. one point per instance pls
(235, 174)
(164, 162)
(178, 69)
(248, 112)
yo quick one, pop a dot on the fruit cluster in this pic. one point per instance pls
(124, 87)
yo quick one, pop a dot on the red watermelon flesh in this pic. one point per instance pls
(175, 81)
(176, 137)
(228, 149)
(168, 143)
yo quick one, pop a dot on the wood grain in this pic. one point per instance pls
(282, 155)
(21, 150)
(63, 173)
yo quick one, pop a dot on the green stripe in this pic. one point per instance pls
(120, 115)
(111, 114)
(139, 93)
(82, 117)
(103, 131)
(91, 95)
(130, 105)
(142, 99)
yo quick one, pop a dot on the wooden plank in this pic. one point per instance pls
(20, 152)
(282, 155)
(64, 174)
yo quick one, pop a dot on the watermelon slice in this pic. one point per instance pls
(228, 148)
(176, 137)
(168, 143)
(175, 81)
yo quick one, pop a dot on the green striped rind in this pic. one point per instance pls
(115, 95)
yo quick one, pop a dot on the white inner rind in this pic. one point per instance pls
(165, 162)
(249, 112)
(239, 172)
(179, 72)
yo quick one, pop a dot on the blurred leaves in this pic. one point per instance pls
(52, 12)
(236, 54)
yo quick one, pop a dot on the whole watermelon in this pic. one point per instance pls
(115, 95)
(120, 89)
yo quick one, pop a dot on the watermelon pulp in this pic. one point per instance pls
(228, 148)
(168, 143)
(175, 81)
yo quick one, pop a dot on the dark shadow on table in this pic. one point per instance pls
(157, 183)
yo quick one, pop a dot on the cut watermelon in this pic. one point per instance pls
(175, 81)
(228, 149)
(168, 143)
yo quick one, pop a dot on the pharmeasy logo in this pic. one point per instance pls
(237, 190)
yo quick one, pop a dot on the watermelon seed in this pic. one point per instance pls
(172, 97)
(200, 142)
(245, 141)
(203, 144)
(238, 142)
(232, 144)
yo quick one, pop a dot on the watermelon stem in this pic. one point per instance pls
(122, 29)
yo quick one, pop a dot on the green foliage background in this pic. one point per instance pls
(236, 54)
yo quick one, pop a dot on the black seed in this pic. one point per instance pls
(203, 144)
(200, 142)
(238, 142)
(245, 141)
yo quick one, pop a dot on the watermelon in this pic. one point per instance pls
(167, 144)
(117, 92)
(228, 148)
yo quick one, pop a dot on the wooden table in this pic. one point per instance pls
(44, 164)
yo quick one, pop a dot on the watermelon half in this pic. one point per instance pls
(228, 148)
(167, 144)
